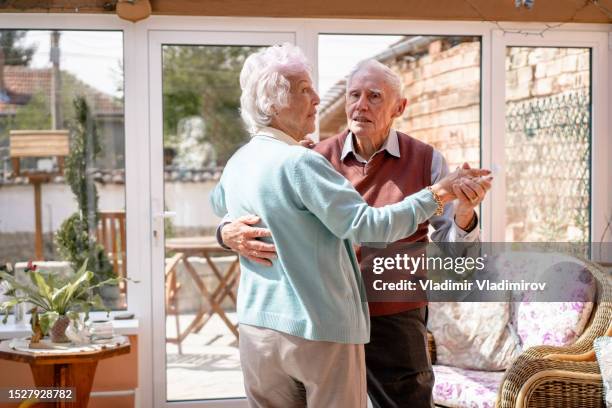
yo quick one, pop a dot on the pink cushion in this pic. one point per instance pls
(460, 388)
(548, 323)
(557, 323)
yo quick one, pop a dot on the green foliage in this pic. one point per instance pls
(76, 245)
(56, 296)
(14, 52)
(85, 147)
(204, 81)
(76, 238)
(35, 114)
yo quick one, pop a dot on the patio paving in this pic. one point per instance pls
(209, 367)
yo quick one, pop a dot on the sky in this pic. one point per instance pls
(339, 53)
(96, 57)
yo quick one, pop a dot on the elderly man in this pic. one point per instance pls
(384, 165)
(303, 321)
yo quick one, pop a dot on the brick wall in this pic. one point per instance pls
(443, 92)
(547, 144)
(537, 72)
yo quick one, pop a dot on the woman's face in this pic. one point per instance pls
(297, 119)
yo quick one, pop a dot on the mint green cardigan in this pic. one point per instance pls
(313, 289)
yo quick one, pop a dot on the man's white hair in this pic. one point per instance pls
(264, 83)
(390, 77)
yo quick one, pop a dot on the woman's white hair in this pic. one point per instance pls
(264, 83)
(391, 78)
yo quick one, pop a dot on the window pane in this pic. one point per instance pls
(62, 196)
(548, 144)
(202, 129)
(440, 80)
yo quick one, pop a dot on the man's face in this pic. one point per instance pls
(297, 119)
(371, 105)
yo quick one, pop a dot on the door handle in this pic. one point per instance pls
(165, 214)
(160, 217)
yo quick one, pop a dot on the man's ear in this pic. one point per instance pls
(400, 107)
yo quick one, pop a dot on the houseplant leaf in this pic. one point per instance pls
(46, 320)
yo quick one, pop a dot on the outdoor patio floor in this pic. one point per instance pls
(209, 367)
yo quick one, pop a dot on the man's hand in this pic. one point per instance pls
(445, 188)
(470, 193)
(242, 238)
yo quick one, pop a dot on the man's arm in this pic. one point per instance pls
(458, 223)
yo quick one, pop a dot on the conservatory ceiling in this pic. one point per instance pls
(580, 11)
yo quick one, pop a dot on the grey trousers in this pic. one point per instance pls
(284, 371)
(398, 365)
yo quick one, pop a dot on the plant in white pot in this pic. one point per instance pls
(56, 300)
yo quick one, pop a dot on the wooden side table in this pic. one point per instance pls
(61, 369)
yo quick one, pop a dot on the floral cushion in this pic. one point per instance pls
(554, 323)
(603, 350)
(557, 323)
(459, 388)
(473, 335)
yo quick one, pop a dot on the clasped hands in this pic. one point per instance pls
(469, 186)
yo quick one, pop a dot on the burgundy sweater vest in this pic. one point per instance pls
(386, 179)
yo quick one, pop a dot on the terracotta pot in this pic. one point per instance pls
(58, 330)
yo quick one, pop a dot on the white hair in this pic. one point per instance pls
(264, 83)
(390, 77)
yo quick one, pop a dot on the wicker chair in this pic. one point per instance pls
(545, 376)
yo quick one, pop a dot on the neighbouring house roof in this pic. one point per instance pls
(22, 82)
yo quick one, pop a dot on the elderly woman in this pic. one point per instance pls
(303, 321)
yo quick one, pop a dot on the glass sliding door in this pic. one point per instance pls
(547, 144)
(440, 78)
(202, 129)
(199, 129)
(548, 114)
(62, 155)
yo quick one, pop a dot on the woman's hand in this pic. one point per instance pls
(462, 182)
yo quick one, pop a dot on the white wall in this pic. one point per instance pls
(188, 200)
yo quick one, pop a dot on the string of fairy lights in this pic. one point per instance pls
(528, 4)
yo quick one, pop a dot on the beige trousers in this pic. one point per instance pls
(284, 371)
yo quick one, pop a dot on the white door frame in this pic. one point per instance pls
(156, 39)
(143, 175)
(601, 201)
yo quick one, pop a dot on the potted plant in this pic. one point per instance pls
(56, 300)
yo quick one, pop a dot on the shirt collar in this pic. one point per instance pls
(276, 134)
(391, 145)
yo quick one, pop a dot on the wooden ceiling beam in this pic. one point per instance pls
(500, 10)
